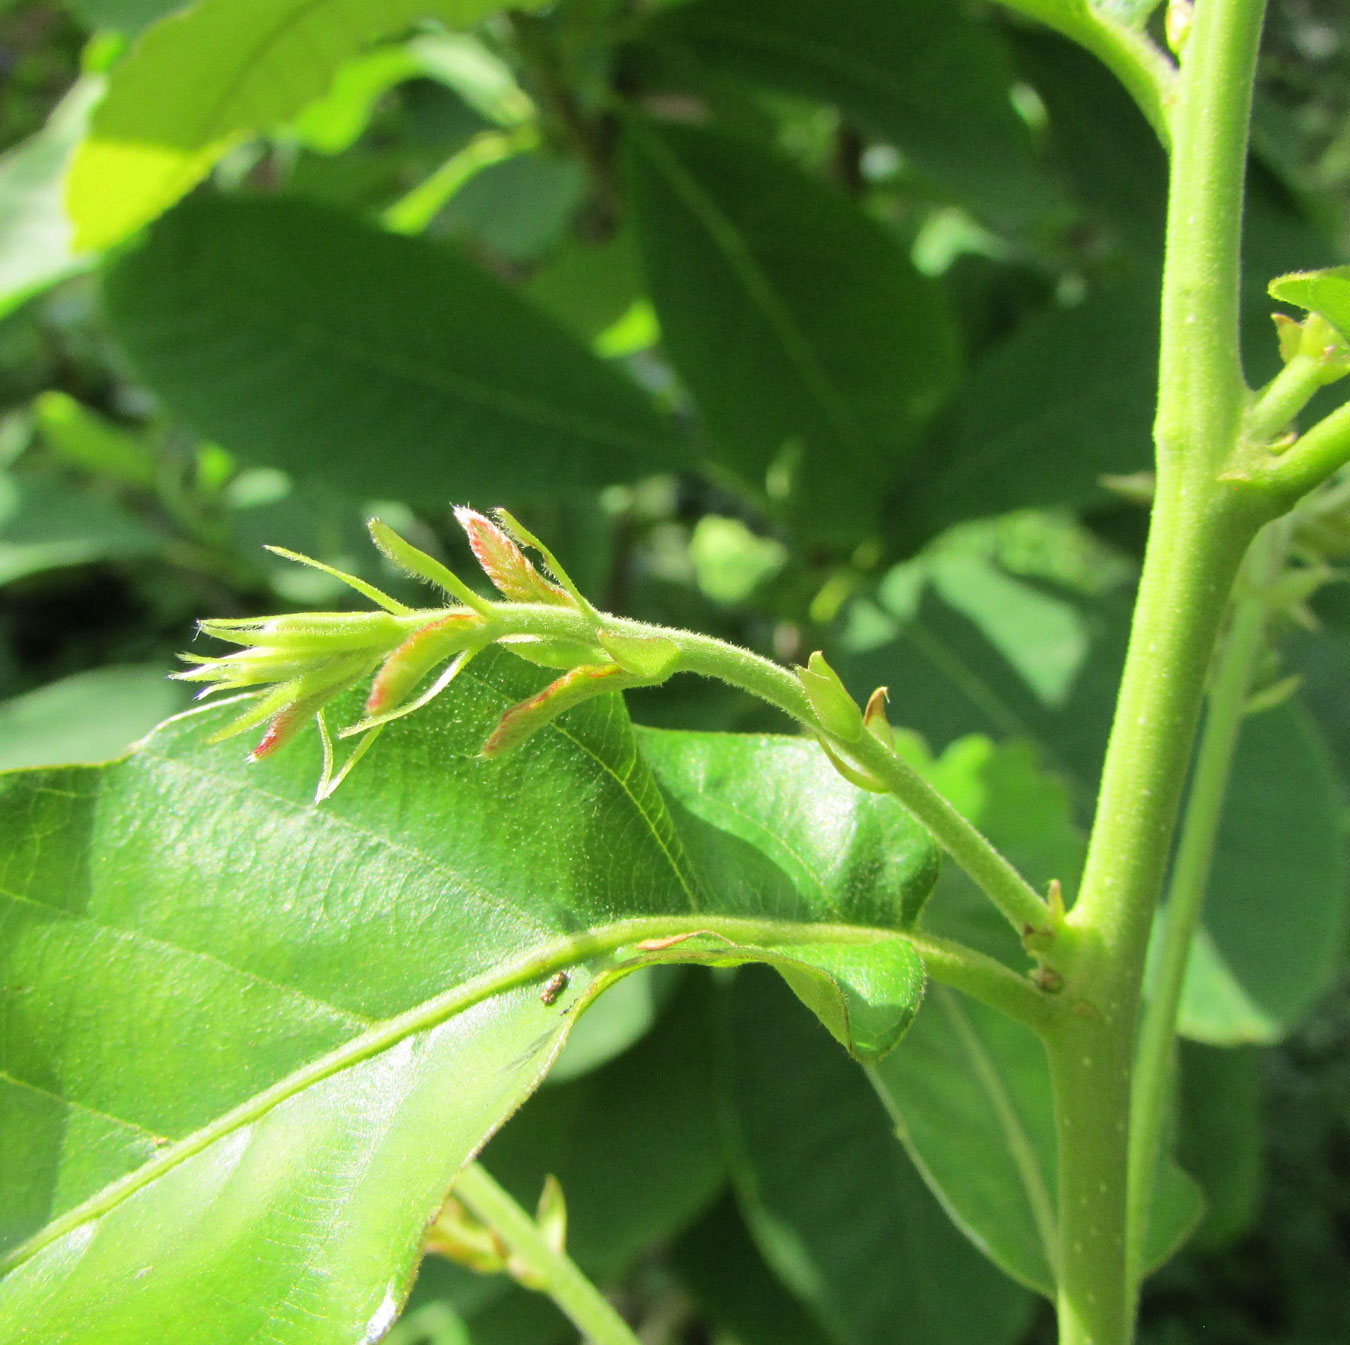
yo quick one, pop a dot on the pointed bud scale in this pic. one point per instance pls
(874, 718)
(505, 563)
(651, 656)
(572, 688)
(836, 710)
(417, 656)
(1289, 333)
(419, 565)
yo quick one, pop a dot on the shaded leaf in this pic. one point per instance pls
(1275, 911)
(388, 366)
(832, 1201)
(969, 1088)
(920, 75)
(596, 1136)
(46, 526)
(1067, 399)
(814, 352)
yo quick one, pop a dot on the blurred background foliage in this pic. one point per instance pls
(807, 325)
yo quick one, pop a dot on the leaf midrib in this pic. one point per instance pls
(538, 966)
(731, 244)
(437, 380)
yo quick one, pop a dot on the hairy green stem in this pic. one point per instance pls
(585, 1306)
(1310, 461)
(1228, 694)
(1201, 527)
(1282, 399)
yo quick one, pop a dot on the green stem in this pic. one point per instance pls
(585, 1306)
(1282, 399)
(1201, 527)
(1190, 873)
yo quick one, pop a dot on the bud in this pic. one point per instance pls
(418, 655)
(551, 1214)
(1177, 24)
(505, 563)
(836, 710)
(572, 688)
(1322, 342)
(461, 1237)
(1289, 334)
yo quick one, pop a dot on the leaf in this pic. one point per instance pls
(814, 352)
(45, 526)
(832, 1201)
(1275, 912)
(35, 236)
(1064, 401)
(388, 366)
(969, 1088)
(1326, 292)
(89, 716)
(721, 1267)
(1221, 1137)
(249, 1042)
(202, 80)
(922, 76)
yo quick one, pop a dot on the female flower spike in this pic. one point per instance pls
(298, 663)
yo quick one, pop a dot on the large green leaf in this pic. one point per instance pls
(833, 1202)
(248, 1042)
(389, 366)
(35, 235)
(809, 342)
(1276, 907)
(920, 75)
(201, 80)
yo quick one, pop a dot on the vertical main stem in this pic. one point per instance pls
(1188, 571)
(1201, 527)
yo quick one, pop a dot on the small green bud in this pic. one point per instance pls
(836, 710)
(1177, 24)
(1322, 342)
